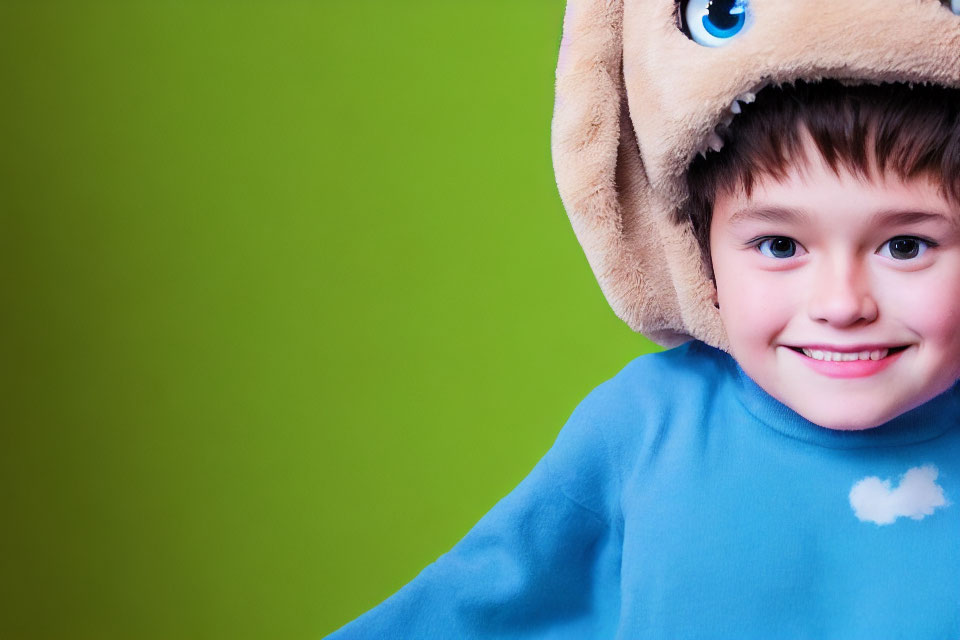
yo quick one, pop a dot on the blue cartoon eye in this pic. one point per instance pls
(715, 23)
(953, 5)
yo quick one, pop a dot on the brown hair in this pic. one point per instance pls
(910, 131)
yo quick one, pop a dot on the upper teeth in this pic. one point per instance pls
(714, 142)
(837, 356)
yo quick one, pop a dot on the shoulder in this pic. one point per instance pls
(626, 413)
(691, 362)
(657, 380)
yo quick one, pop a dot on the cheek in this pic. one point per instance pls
(933, 310)
(930, 308)
(754, 309)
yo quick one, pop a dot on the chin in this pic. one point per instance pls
(838, 421)
(848, 426)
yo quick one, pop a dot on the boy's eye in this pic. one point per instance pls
(715, 23)
(904, 248)
(953, 5)
(778, 247)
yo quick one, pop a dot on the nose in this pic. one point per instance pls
(841, 294)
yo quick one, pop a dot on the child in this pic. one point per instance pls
(792, 471)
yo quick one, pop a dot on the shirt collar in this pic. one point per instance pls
(926, 422)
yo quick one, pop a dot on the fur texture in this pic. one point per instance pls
(636, 100)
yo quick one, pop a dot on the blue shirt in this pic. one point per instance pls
(682, 501)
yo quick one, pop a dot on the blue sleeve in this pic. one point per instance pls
(543, 563)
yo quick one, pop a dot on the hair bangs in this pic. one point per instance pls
(869, 131)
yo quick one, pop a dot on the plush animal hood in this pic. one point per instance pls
(637, 99)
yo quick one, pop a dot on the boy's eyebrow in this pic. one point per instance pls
(787, 215)
(904, 217)
(790, 215)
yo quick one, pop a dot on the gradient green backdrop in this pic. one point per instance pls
(289, 301)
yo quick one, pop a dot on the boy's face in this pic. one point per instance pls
(835, 265)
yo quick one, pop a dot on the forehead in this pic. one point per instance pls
(811, 191)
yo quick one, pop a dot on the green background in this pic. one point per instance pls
(288, 302)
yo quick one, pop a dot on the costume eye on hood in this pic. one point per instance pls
(715, 23)
(641, 87)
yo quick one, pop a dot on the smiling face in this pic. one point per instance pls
(641, 88)
(820, 268)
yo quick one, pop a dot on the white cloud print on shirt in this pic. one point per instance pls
(917, 496)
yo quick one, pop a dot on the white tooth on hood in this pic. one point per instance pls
(747, 97)
(735, 105)
(714, 142)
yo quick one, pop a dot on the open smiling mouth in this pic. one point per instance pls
(848, 356)
(849, 364)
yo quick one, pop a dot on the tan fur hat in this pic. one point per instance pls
(637, 99)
